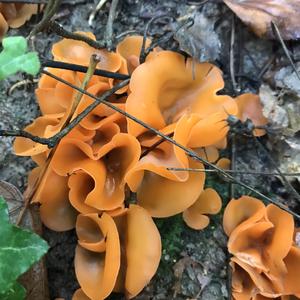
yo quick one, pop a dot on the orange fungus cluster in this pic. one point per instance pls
(265, 256)
(85, 181)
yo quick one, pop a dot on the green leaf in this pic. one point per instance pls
(16, 292)
(14, 58)
(19, 250)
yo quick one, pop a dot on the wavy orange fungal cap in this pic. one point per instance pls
(291, 280)
(98, 178)
(168, 89)
(164, 192)
(90, 235)
(55, 210)
(17, 14)
(257, 244)
(209, 202)
(78, 52)
(97, 272)
(143, 250)
(209, 131)
(247, 282)
(53, 96)
(44, 126)
(130, 49)
(243, 210)
(249, 107)
(283, 231)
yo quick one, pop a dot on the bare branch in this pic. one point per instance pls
(247, 172)
(50, 11)
(82, 69)
(109, 25)
(285, 49)
(59, 30)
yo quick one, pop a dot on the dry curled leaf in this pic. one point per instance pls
(34, 280)
(259, 14)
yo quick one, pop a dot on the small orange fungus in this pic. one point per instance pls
(209, 202)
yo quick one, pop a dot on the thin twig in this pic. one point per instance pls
(94, 60)
(189, 152)
(155, 145)
(231, 54)
(285, 49)
(109, 24)
(59, 30)
(24, 134)
(83, 69)
(282, 176)
(21, 83)
(128, 32)
(50, 11)
(247, 172)
(189, 22)
(95, 11)
(143, 48)
(266, 67)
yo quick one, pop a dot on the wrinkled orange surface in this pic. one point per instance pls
(265, 257)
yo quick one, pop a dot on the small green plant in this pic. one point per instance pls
(19, 250)
(14, 58)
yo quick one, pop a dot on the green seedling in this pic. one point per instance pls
(14, 58)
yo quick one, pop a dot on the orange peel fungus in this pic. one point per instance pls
(96, 165)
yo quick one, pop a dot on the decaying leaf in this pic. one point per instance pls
(200, 40)
(34, 280)
(259, 14)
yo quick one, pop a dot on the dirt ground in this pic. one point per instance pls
(194, 263)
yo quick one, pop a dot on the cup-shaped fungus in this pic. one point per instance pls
(165, 192)
(141, 244)
(137, 250)
(209, 202)
(56, 211)
(171, 87)
(78, 52)
(15, 15)
(265, 257)
(97, 173)
(130, 49)
(97, 257)
(249, 107)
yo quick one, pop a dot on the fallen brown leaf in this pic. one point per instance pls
(259, 14)
(34, 280)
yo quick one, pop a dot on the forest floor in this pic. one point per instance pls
(194, 263)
